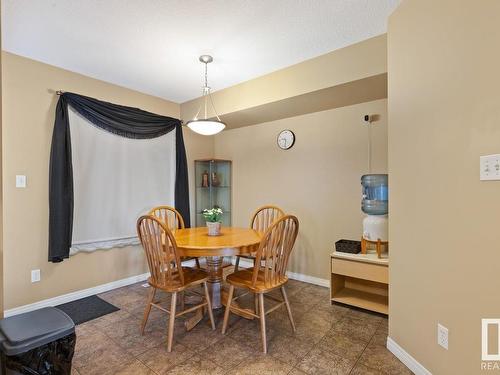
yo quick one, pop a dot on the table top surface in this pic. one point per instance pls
(230, 238)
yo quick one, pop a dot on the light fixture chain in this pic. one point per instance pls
(206, 94)
(206, 75)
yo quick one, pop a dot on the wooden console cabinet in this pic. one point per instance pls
(360, 280)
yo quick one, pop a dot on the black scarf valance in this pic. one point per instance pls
(117, 119)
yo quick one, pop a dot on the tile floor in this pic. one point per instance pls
(329, 340)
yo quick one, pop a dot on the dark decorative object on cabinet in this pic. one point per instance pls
(348, 246)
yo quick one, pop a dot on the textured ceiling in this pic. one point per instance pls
(153, 45)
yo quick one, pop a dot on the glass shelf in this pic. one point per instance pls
(211, 196)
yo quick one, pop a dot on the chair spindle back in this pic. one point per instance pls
(275, 249)
(169, 216)
(161, 251)
(264, 217)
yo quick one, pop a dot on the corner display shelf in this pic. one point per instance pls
(215, 191)
(360, 280)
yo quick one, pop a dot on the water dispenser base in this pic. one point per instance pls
(379, 244)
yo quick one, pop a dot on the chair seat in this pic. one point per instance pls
(191, 277)
(243, 279)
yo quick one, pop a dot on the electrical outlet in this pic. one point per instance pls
(35, 276)
(443, 336)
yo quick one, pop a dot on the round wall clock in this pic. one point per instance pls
(286, 139)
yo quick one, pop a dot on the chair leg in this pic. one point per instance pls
(151, 297)
(288, 309)
(181, 302)
(228, 309)
(237, 263)
(209, 306)
(197, 263)
(171, 322)
(262, 317)
(256, 303)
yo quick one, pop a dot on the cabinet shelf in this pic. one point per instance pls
(364, 300)
(206, 197)
(360, 280)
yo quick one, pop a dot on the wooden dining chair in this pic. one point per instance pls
(167, 273)
(274, 252)
(174, 220)
(261, 220)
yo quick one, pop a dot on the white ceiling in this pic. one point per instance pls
(153, 45)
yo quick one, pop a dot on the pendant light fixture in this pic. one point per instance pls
(206, 126)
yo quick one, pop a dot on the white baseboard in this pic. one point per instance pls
(76, 295)
(308, 279)
(406, 358)
(294, 276)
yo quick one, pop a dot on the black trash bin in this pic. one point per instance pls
(38, 342)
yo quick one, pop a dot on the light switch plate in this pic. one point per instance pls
(35, 276)
(20, 181)
(489, 167)
(442, 336)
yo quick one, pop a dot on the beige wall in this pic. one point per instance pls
(318, 179)
(352, 63)
(444, 113)
(28, 117)
(354, 92)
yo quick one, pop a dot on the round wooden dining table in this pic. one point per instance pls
(195, 242)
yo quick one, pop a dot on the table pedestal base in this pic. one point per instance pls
(215, 279)
(214, 269)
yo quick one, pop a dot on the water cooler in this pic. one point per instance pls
(375, 205)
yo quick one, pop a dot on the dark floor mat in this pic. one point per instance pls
(88, 308)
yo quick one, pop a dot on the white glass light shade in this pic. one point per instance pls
(206, 127)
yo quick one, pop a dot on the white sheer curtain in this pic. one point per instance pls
(116, 179)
